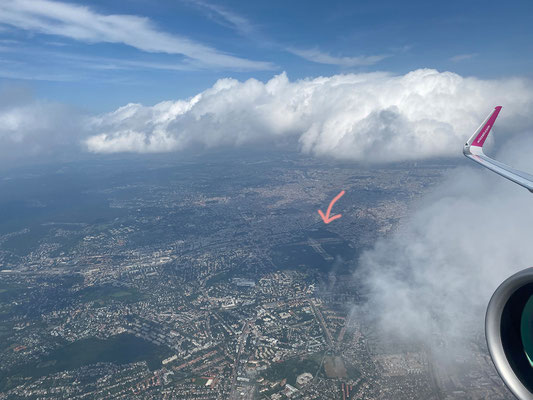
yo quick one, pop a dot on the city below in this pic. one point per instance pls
(211, 277)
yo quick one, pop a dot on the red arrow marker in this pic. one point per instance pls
(326, 218)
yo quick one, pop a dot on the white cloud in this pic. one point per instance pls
(226, 17)
(320, 57)
(32, 129)
(431, 280)
(375, 116)
(463, 57)
(83, 24)
(72, 63)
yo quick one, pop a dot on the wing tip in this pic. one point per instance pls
(483, 132)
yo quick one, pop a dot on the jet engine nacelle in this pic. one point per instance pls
(509, 332)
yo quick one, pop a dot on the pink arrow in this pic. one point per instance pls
(326, 218)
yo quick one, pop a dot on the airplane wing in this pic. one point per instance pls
(473, 149)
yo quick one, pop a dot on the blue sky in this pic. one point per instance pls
(100, 55)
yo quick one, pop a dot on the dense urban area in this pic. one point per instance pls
(211, 277)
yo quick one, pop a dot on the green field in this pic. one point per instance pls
(8, 291)
(108, 293)
(290, 369)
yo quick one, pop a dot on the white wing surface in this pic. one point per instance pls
(473, 149)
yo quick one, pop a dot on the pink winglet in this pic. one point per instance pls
(484, 131)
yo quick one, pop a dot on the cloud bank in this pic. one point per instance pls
(362, 117)
(434, 276)
(31, 129)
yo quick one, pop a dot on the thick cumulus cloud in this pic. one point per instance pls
(372, 116)
(434, 276)
(31, 130)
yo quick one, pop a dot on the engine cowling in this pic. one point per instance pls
(509, 332)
